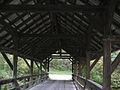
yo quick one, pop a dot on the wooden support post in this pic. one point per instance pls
(76, 68)
(107, 65)
(80, 66)
(88, 66)
(38, 71)
(72, 67)
(79, 70)
(107, 22)
(45, 66)
(48, 65)
(41, 69)
(31, 73)
(15, 60)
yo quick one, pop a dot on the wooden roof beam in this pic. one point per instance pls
(8, 28)
(50, 8)
(54, 36)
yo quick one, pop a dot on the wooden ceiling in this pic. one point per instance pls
(35, 29)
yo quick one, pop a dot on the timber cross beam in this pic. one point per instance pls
(50, 8)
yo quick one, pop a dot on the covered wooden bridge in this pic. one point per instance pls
(37, 29)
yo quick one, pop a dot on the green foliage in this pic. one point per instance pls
(97, 72)
(116, 77)
(83, 72)
(22, 68)
(60, 72)
(60, 66)
(6, 72)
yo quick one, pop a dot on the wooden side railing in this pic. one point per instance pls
(24, 81)
(84, 84)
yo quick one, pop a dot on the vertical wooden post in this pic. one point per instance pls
(39, 71)
(15, 59)
(48, 65)
(0, 87)
(107, 22)
(88, 65)
(107, 65)
(80, 68)
(72, 67)
(31, 73)
(40, 67)
(46, 68)
(76, 68)
(73, 70)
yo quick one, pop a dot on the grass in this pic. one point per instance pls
(60, 72)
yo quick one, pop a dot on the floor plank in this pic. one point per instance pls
(55, 85)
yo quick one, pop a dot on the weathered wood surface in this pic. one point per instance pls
(50, 8)
(81, 82)
(55, 85)
(10, 80)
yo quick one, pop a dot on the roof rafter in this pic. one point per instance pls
(50, 8)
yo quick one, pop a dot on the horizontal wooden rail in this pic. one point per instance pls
(87, 83)
(6, 81)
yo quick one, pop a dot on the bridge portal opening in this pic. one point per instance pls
(60, 66)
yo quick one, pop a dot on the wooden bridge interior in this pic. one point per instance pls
(36, 29)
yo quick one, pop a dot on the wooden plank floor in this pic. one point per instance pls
(55, 85)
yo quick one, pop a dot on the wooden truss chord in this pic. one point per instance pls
(50, 8)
